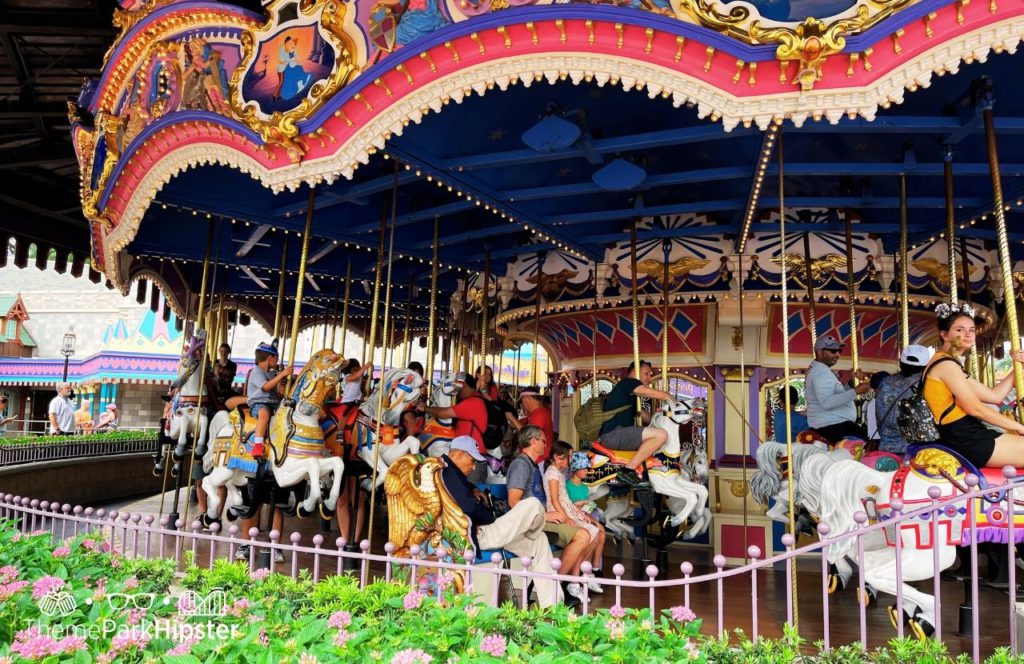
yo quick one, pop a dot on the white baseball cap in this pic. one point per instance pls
(916, 355)
(468, 445)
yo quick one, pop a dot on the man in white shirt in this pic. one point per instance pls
(62, 412)
(831, 410)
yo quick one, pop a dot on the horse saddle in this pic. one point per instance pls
(338, 428)
(243, 427)
(932, 460)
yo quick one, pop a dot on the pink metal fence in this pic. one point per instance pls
(140, 534)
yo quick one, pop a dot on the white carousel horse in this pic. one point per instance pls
(186, 406)
(360, 428)
(854, 487)
(437, 433)
(685, 499)
(296, 446)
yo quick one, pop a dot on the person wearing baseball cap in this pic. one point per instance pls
(520, 530)
(891, 389)
(831, 410)
(469, 413)
(538, 415)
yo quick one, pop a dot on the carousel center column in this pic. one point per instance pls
(739, 522)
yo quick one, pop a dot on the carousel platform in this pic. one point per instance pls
(844, 618)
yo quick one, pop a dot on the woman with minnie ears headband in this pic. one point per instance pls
(957, 401)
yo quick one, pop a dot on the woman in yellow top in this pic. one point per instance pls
(958, 401)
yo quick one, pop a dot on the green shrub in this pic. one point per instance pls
(105, 437)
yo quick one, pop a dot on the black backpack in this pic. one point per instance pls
(497, 423)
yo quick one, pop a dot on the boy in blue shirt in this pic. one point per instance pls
(261, 392)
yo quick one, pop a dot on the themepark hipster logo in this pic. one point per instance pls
(196, 618)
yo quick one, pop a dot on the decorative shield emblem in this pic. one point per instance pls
(383, 22)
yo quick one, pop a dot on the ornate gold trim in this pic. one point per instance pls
(281, 128)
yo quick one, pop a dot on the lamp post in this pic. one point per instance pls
(67, 349)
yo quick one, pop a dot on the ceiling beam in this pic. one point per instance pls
(839, 202)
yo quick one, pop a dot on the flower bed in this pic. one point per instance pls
(77, 602)
(105, 437)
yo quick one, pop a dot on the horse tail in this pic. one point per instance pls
(847, 481)
(767, 481)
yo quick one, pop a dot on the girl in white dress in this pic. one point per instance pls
(558, 501)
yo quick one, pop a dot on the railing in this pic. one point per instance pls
(140, 534)
(70, 449)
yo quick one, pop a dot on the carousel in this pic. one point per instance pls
(710, 187)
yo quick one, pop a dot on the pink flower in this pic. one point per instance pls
(131, 583)
(72, 644)
(494, 645)
(342, 638)
(7, 590)
(692, 650)
(8, 574)
(444, 580)
(106, 658)
(263, 637)
(45, 586)
(61, 552)
(616, 629)
(617, 611)
(413, 600)
(185, 647)
(259, 574)
(31, 644)
(411, 656)
(239, 608)
(682, 614)
(186, 604)
(132, 638)
(340, 620)
(135, 616)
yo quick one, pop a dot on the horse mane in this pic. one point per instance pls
(846, 481)
(813, 474)
(767, 481)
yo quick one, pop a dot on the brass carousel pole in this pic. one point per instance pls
(380, 269)
(965, 270)
(297, 310)
(535, 379)
(432, 325)
(408, 322)
(593, 359)
(202, 363)
(636, 313)
(344, 310)
(380, 386)
(666, 248)
(280, 289)
(785, 369)
(851, 296)
(334, 316)
(745, 440)
(485, 309)
(1005, 262)
(947, 171)
(808, 271)
(904, 297)
(166, 455)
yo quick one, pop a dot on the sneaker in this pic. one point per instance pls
(629, 477)
(278, 556)
(574, 590)
(258, 451)
(568, 598)
(595, 587)
(242, 553)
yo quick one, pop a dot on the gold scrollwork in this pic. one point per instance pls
(732, 21)
(738, 488)
(281, 127)
(810, 43)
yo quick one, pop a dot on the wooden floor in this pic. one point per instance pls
(771, 590)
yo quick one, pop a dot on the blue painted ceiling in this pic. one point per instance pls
(693, 166)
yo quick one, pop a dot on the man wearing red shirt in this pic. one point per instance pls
(470, 412)
(538, 415)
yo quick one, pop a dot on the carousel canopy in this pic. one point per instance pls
(447, 113)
